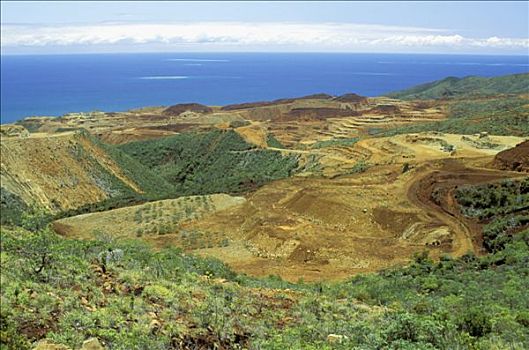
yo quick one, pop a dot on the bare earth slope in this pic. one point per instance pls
(333, 226)
(516, 158)
(60, 171)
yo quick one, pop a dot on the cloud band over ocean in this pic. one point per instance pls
(241, 35)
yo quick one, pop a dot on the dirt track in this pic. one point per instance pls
(434, 192)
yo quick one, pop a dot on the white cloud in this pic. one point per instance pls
(238, 35)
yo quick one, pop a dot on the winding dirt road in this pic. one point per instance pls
(434, 193)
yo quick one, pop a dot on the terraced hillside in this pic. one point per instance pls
(493, 115)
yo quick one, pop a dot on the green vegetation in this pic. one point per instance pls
(11, 207)
(120, 194)
(498, 233)
(493, 199)
(211, 162)
(359, 167)
(507, 202)
(161, 218)
(271, 141)
(131, 296)
(482, 142)
(475, 105)
(153, 185)
(497, 116)
(30, 125)
(345, 142)
(70, 290)
(192, 240)
(471, 86)
(192, 163)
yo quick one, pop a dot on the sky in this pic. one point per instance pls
(394, 27)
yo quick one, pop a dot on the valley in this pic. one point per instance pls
(275, 204)
(321, 198)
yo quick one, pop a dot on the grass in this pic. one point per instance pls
(152, 219)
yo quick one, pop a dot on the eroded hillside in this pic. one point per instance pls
(350, 207)
(61, 171)
(330, 185)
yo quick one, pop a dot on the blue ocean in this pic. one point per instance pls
(58, 84)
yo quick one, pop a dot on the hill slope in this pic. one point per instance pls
(69, 170)
(170, 300)
(516, 158)
(210, 162)
(496, 115)
(453, 87)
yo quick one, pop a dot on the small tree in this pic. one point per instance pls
(35, 219)
(38, 256)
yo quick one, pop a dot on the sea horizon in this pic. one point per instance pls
(57, 84)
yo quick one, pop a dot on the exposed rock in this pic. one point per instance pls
(178, 109)
(354, 98)
(422, 234)
(46, 345)
(92, 344)
(275, 102)
(308, 97)
(59, 173)
(320, 113)
(385, 109)
(336, 338)
(154, 326)
(13, 130)
(516, 158)
(233, 107)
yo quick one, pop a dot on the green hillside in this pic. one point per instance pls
(11, 206)
(151, 183)
(471, 86)
(185, 164)
(210, 162)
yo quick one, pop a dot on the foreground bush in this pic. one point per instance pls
(141, 299)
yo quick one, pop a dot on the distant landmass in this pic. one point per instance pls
(466, 87)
